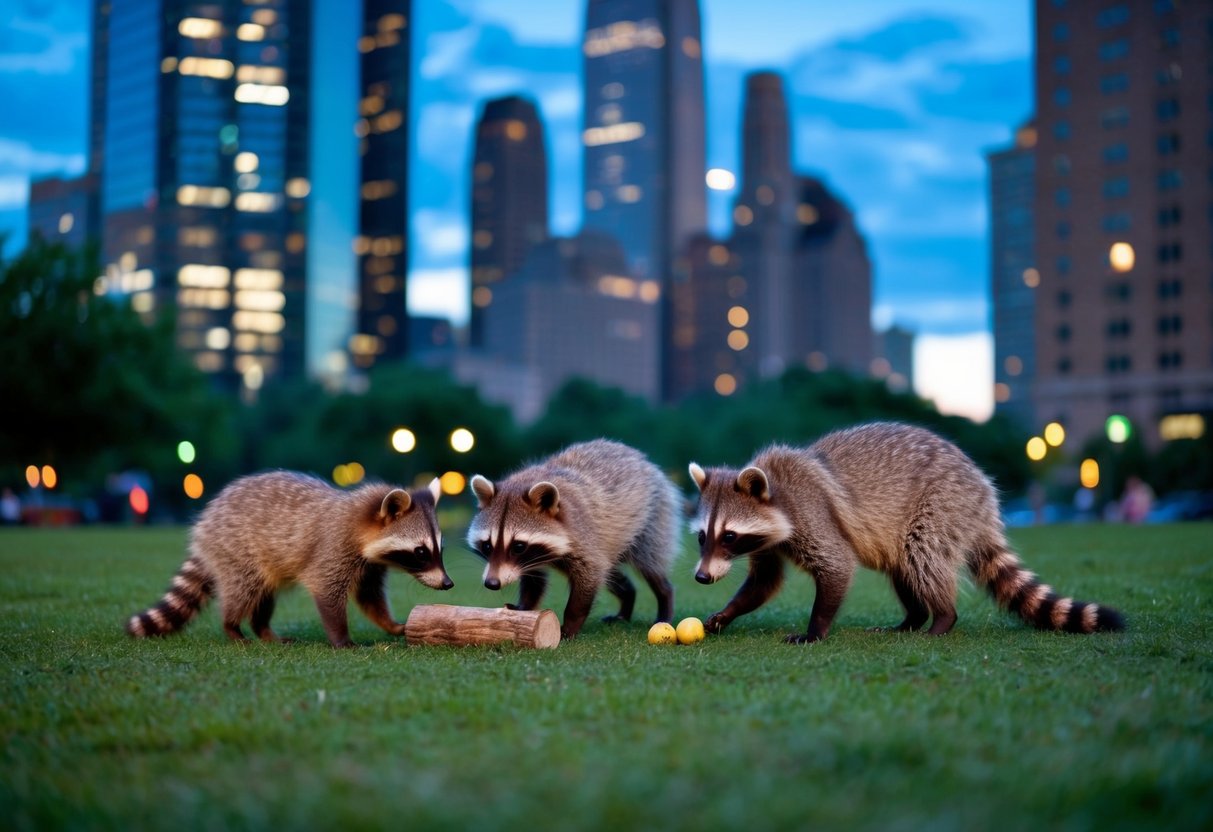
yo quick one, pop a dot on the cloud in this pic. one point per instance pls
(441, 292)
(903, 38)
(441, 235)
(957, 373)
(14, 192)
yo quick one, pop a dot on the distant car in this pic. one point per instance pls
(1182, 505)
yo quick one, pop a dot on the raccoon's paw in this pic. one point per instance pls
(615, 619)
(716, 622)
(801, 638)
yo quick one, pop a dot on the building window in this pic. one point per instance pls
(1061, 131)
(1169, 38)
(1114, 49)
(1061, 96)
(1120, 291)
(1168, 144)
(1115, 83)
(1064, 298)
(1063, 366)
(1170, 252)
(1061, 65)
(1120, 328)
(1064, 333)
(1061, 164)
(1170, 325)
(1061, 33)
(1116, 188)
(1168, 289)
(1169, 180)
(1063, 230)
(1063, 265)
(1114, 153)
(1118, 364)
(1114, 117)
(1172, 360)
(1113, 16)
(1170, 216)
(1062, 197)
(1116, 222)
(1168, 109)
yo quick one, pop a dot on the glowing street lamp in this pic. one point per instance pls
(186, 452)
(1118, 428)
(403, 440)
(1055, 434)
(1037, 449)
(462, 440)
(1088, 473)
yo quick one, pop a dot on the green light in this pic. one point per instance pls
(185, 451)
(1118, 428)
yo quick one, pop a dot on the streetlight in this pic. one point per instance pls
(1088, 473)
(462, 440)
(403, 440)
(1037, 449)
(1118, 428)
(1055, 434)
(186, 452)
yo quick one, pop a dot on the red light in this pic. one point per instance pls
(139, 500)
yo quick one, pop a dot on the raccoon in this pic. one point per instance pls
(890, 497)
(267, 531)
(585, 511)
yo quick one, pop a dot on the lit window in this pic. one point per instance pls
(1031, 278)
(739, 316)
(515, 130)
(255, 74)
(200, 27)
(205, 277)
(742, 215)
(628, 193)
(726, 384)
(613, 134)
(218, 338)
(593, 200)
(298, 187)
(270, 94)
(482, 296)
(1122, 257)
(250, 32)
(206, 67)
(806, 214)
(719, 256)
(622, 36)
(66, 221)
(1013, 365)
(482, 239)
(257, 202)
(612, 90)
(246, 162)
(258, 279)
(203, 196)
(260, 301)
(378, 189)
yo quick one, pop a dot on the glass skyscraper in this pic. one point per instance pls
(203, 159)
(381, 330)
(644, 128)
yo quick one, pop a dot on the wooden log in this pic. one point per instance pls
(461, 626)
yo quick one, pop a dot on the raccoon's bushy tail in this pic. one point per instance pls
(191, 587)
(1018, 590)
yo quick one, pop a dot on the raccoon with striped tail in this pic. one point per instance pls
(267, 531)
(893, 498)
(586, 511)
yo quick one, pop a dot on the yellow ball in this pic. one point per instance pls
(662, 633)
(690, 630)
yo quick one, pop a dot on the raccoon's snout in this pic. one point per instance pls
(492, 583)
(447, 583)
(702, 577)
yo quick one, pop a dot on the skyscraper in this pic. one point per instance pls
(509, 199)
(203, 161)
(381, 327)
(1124, 237)
(644, 128)
(1013, 273)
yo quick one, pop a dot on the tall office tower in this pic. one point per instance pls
(381, 326)
(644, 128)
(62, 210)
(764, 222)
(572, 310)
(894, 362)
(204, 175)
(1124, 309)
(509, 199)
(831, 292)
(1013, 273)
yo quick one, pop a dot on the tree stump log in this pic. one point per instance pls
(461, 626)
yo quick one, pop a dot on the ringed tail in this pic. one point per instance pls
(190, 589)
(1018, 590)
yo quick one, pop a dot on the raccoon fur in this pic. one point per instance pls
(267, 531)
(585, 511)
(890, 497)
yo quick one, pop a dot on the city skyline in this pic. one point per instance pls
(894, 105)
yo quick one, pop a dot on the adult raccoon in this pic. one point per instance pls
(890, 497)
(585, 511)
(267, 531)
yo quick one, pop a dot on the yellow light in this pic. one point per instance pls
(718, 255)
(627, 131)
(462, 440)
(806, 214)
(246, 162)
(1037, 449)
(200, 27)
(206, 67)
(739, 316)
(274, 95)
(650, 291)
(482, 296)
(719, 179)
(192, 484)
(1181, 426)
(743, 215)
(250, 32)
(49, 478)
(341, 476)
(298, 187)
(355, 472)
(1031, 278)
(403, 440)
(515, 130)
(452, 483)
(33, 476)
(725, 384)
(1088, 473)
(1055, 434)
(1122, 257)
(738, 340)
(66, 222)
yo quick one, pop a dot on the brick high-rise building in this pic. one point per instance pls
(1124, 250)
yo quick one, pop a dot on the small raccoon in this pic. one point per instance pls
(267, 531)
(893, 498)
(585, 511)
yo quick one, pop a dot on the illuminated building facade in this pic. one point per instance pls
(1013, 274)
(382, 323)
(62, 210)
(644, 128)
(509, 199)
(203, 163)
(1124, 234)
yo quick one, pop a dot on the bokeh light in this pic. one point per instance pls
(193, 486)
(462, 440)
(452, 482)
(186, 452)
(139, 501)
(50, 478)
(1055, 434)
(1122, 257)
(33, 476)
(1118, 428)
(403, 440)
(1037, 449)
(1088, 473)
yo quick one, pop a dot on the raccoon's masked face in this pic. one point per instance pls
(735, 518)
(407, 535)
(518, 529)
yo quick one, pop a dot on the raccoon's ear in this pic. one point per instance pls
(435, 488)
(754, 482)
(483, 489)
(699, 475)
(544, 496)
(396, 503)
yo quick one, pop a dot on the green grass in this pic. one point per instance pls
(993, 726)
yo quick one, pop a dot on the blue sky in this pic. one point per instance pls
(893, 101)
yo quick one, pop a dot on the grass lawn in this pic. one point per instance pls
(992, 726)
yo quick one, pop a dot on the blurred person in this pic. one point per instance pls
(1136, 501)
(10, 508)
